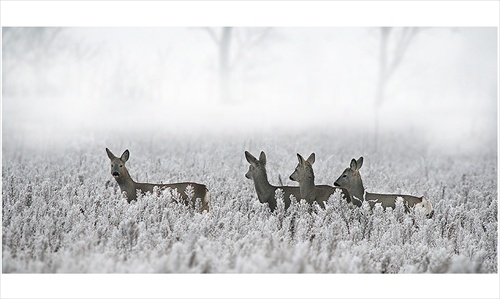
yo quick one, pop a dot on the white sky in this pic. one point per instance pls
(155, 77)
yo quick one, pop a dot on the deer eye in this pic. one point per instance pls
(121, 165)
(344, 176)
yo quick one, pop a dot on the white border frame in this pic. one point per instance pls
(249, 13)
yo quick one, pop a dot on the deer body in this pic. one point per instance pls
(265, 191)
(304, 175)
(351, 180)
(130, 187)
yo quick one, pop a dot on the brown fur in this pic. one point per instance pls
(130, 187)
(265, 191)
(304, 175)
(350, 179)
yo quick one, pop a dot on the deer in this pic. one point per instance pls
(265, 191)
(304, 175)
(350, 179)
(130, 187)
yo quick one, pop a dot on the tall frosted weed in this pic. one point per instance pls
(62, 211)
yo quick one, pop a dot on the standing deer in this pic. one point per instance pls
(266, 191)
(127, 184)
(351, 180)
(304, 175)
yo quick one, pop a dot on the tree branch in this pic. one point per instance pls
(408, 34)
(247, 46)
(212, 35)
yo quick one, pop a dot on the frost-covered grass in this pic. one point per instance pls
(63, 212)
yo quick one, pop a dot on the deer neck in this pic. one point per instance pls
(263, 188)
(307, 186)
(358, 193)
(125, 181)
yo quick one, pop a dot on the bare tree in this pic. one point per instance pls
(233, 46)
(27, 48)
(29, 45)
(37, 51)
(389, 61)
(394, 43)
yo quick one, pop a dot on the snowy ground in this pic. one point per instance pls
(62, 210)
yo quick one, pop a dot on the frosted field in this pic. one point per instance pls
(63, 212)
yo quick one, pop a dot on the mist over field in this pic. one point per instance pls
(62, 83)
(419, 104)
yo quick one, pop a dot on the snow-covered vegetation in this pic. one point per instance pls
(63, 211)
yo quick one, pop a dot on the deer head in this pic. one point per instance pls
(118, 169)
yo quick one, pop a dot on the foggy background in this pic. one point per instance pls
(63, 86)
(67, 84)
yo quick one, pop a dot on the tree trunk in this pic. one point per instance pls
(382, 71)
(382, 80)
(224, 71)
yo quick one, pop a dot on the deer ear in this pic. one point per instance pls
(359, 163)
(354, 165)
(125, 156)
(301, 160)
(311, 159)
(250, 158)
(110, 154)
(262, 158)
